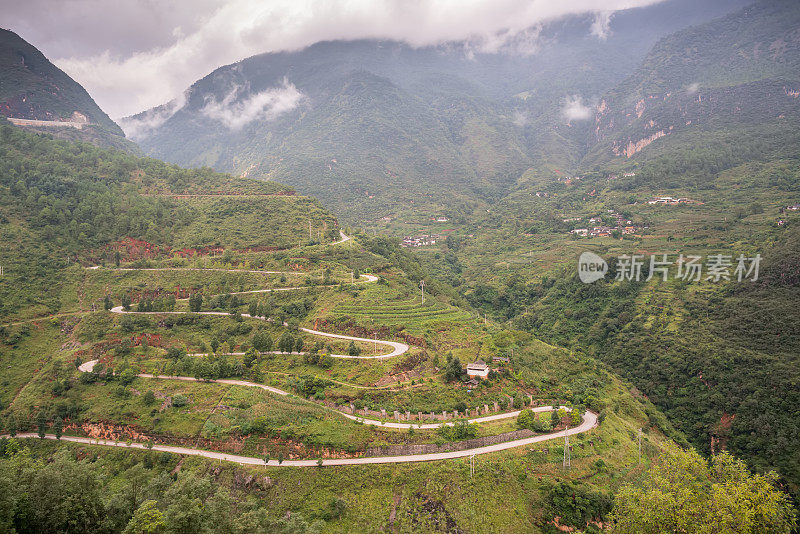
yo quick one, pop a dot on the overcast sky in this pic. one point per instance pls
(132, 55)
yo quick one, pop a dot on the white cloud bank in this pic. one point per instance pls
(574, 109)
(133, 55)
(601, 27)
(236, 110)
(141, 126)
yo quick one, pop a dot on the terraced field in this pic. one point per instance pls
(406, 311)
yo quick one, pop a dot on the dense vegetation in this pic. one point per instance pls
(33, 88)
(686, 494)
(63, 202)
(71, 491)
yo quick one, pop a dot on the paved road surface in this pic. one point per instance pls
(87, 367)
(397, 347)
(589, 422)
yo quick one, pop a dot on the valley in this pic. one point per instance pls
(333, 287)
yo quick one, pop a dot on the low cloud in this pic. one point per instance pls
(524, 43)
(141, 125)
(601, 26)
(239, 108)
(693, 88)
(520, 118)
(574, 109)
(135, 55)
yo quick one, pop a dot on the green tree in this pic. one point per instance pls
(108, 303)
(262, 342)
(147, 519)
(683, 492)
(41, 423)
(149, 398)
(249, 357)
(453, 370)
(126, 302)
(127, 376)
(195, 302)
(353, 349)
(286, 343)
(58, 427)
(575, 416)
(555, 420)
(526, 419)
(325, 361)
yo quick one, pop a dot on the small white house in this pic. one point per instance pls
(478, 368)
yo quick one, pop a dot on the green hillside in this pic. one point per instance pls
(188, 351)
(719, 359)
(166, 243)
(33, 88)
(65, 203)
(736, 76)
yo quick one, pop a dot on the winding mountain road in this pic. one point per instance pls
(589, 419)
(88, 367)
(397, 347)
(589, 422)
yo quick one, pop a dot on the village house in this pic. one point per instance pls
(671, 201)
(419, 241)
(478, 368)
(601, 231)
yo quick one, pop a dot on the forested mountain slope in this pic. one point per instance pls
(737, 76)
(719, 359)
(65, 202)
(381, 128)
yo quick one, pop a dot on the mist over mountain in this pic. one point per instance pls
(367, 126)
(417, 275)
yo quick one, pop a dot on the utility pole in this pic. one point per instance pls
(422, 286)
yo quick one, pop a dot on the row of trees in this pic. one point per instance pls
(124, 494)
